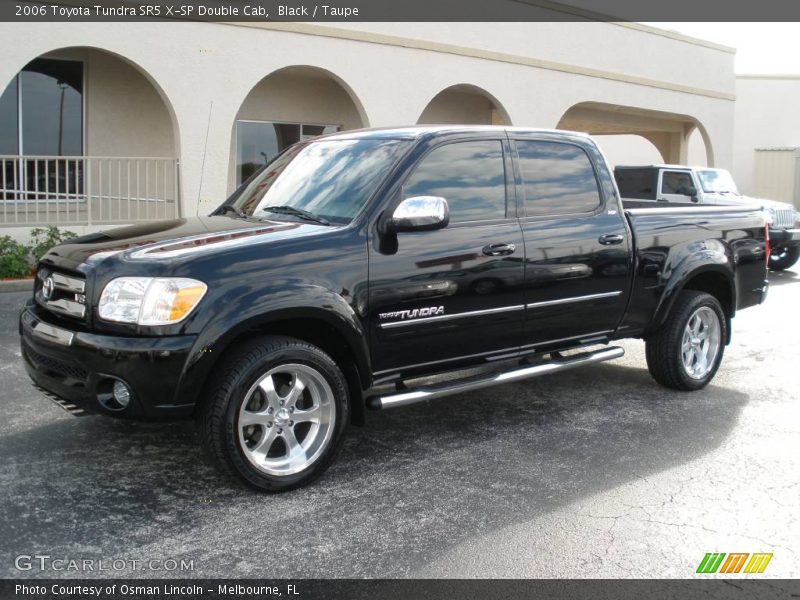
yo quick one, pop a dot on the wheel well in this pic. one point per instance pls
(324, 336)
(718, 286)
(715, 284)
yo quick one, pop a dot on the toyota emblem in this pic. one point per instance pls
(48, 287)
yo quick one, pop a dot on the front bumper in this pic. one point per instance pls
(781, 238)
(80, 366)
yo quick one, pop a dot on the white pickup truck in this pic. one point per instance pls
(677, 184)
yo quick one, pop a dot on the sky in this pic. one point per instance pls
(761, 48)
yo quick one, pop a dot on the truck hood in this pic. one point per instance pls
(173, 238)
(746, 200)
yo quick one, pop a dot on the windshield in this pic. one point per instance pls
(331, 179)
(717, 181)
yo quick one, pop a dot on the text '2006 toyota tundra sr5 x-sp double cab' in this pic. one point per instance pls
(354, 264)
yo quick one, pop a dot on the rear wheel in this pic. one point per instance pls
(276, 413)
(685, 353)
(783, 258)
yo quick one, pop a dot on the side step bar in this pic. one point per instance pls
(483, 381)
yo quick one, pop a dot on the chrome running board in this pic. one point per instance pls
(482, 381)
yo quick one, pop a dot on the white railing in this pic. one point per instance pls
(87, 190)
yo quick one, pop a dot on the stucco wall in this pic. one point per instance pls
(298, 98)
(767, 116)
(636, 150)
(124, 114)
(206, 71)
(452, 107)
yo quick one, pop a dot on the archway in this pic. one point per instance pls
(286, 106)
(668, 132)
(628, 149)
(87, 136)
(464, 104)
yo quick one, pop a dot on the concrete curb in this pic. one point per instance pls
(16, 285)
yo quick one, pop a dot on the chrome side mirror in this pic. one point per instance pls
(419, 213)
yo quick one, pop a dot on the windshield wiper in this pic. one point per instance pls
(226, 208)
(296, 212)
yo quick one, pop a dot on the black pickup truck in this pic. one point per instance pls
(355, 264)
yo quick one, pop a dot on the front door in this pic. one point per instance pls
(455, 293)
(676, 186)
(577, 255)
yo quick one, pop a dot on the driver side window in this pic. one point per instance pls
(676, 182)
(469, 175)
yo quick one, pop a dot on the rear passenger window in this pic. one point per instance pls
(639, 184)
(471, 176)
(557, 179)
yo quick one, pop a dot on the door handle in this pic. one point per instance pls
(611, 238)
(499, 249)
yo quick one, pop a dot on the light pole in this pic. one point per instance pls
(63, 87)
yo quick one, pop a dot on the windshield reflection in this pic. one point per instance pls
(332, 179)
(717, 181)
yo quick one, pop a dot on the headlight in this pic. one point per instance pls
(149, 300)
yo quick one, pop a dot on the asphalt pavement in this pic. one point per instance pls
(596, 472)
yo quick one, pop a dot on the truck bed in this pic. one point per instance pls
(671, 241)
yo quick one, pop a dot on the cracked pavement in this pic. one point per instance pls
(596, 472)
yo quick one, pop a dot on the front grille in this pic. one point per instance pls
(782, 218)
(60, 293)
(48, 364)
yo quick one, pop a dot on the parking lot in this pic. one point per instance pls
(592, 473)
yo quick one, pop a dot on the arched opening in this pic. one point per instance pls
(628, 149)
(289, 105)
(667, 133)
(86, 136)
(464, 104)
(697, 151)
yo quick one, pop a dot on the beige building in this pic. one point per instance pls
(118, 122)
(766, 158)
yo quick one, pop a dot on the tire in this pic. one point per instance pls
(275, 414)
(783, 258)
(678, 353)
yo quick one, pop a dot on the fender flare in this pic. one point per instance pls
(678, 282)
(305, 303)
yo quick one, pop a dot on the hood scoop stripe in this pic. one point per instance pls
(195, 244)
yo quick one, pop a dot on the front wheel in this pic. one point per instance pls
(276, 413)
(686, 351)
(783, 258)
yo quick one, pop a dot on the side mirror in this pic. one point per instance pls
(688, 190)
(419, 213)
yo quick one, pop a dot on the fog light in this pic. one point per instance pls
(122, 393)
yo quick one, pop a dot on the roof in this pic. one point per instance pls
(418, 131)
(666, 166)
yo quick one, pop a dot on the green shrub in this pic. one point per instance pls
(44, 239)
(14, 260)
(18, 260)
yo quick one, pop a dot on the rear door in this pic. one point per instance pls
(454, 294)
(577, 245)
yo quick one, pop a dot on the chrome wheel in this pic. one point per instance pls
(286, 419)
(701, 342)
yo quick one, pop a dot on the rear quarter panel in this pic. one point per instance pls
(673, 246)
